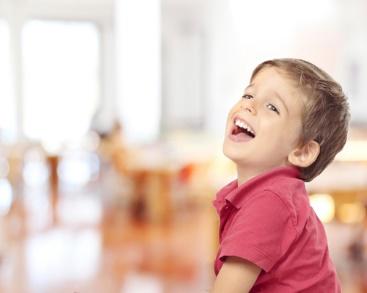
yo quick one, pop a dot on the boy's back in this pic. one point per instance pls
(271, 223)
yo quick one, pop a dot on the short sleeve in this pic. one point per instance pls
(261, 231)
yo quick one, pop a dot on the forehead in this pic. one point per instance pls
(275, 78)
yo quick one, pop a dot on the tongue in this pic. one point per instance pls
(241, 137)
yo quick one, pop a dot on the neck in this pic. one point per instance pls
(245, 174)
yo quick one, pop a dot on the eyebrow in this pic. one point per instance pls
(276, 94)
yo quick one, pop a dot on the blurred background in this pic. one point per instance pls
(112, 116)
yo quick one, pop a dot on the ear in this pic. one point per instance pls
(303, 156)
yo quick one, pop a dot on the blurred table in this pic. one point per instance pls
(153, 172)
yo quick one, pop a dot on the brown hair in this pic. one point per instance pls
(326, 114)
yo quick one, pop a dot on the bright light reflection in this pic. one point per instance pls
(6, 196)
(84, 209)
(60, 256)
(142, 283)
(35, 173)
(324, 206)
(78, 168)
(35, 170)
(36, 200)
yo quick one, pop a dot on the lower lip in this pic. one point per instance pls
(240, 137)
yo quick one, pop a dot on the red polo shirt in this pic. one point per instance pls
(268, 221)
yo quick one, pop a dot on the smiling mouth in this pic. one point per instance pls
(242, 129)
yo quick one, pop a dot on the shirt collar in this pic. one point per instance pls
(234, 194)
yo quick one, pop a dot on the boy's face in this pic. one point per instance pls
(265, 125)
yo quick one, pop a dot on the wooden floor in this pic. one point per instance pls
(84, 243)
(88, 242)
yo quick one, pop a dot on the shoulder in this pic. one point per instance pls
(269, 203)
(266, 208)
(291, 192)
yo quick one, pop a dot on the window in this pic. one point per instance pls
(7, 99)
(61, 80)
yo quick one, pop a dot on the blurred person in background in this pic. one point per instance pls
(279, 136)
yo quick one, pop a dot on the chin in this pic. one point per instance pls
(233, 153)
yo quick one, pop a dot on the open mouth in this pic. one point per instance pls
(242, 131)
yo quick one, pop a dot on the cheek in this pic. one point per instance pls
(293, 133)
(283, 134)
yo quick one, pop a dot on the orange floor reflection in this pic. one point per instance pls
(95, 246)
(89, 242)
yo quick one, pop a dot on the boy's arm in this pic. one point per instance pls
(236, 276)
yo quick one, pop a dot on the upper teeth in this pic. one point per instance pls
(243, 125)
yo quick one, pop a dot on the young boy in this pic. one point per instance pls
(288, 126)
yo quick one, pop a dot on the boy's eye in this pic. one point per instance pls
(245, 96)
(272, 108)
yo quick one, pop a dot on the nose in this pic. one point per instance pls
(248, 106)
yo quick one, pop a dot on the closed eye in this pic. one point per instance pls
(273, 108)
